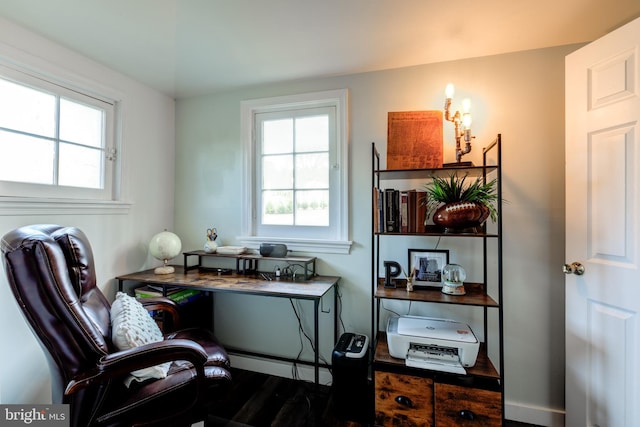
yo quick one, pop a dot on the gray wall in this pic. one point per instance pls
(519, 95)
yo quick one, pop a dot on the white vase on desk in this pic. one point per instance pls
(210, 246)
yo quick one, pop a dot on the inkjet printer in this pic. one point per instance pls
(429, 343)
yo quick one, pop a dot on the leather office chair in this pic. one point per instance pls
(51, 272)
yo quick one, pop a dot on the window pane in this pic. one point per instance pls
(312, 171)
(80, 123)
(277, 136)
(277, 172)
(14, 148)
(80, 166)
(26, 110)
(277, 207)
(312, 208)
(312, 134)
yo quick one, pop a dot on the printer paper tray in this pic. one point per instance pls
(434, 358)
(436, 365)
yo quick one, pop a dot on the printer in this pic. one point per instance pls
(430, 343)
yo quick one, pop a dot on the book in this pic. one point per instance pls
(404, 212)
(421, 211)
(391, 210)
(376, 211)
(179, 295)
(411, 210)
(157, 289)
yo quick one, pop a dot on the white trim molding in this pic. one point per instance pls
(16, 206)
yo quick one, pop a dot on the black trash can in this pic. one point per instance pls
(352, 394)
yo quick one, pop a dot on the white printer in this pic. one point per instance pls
(429, 343)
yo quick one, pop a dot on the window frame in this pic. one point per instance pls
(27, 198)
(338, 242)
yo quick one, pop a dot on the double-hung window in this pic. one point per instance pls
(55, 141)
(296, 171)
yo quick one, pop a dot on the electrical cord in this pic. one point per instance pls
(339, 308)
(389, 310)
(302, 333)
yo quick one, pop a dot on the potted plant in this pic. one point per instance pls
(459, 207)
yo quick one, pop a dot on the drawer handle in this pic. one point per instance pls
(405, 401)
(466, 414)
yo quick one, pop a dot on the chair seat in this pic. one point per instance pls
(217, 356)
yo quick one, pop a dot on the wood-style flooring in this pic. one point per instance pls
(260, 400)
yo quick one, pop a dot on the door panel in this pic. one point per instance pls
(603, 231)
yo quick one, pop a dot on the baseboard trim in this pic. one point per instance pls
(279, 369)
(536, 415)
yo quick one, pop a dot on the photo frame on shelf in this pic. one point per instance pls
(428, 264)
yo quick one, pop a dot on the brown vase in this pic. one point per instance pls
(461, 217)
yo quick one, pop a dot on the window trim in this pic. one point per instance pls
(338, 98)
(36, 67)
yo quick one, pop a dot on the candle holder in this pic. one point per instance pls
(462, 127)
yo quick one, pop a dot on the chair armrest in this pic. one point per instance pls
(167, 305)
(119, 364)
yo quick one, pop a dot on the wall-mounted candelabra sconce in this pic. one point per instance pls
(462, 123)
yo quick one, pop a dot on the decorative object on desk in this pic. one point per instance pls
(274, 250)
(231, 250)
(453, 276)
(426, 266)
(459, 208)
(165, 246)
(462, 123)
(210, 245)
(414, 140)
(410, 279)
(391, 270)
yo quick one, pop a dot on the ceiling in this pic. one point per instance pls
(190, 47)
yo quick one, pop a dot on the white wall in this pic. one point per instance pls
(119, 241)
(520, 95)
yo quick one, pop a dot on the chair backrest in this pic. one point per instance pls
(51, 272)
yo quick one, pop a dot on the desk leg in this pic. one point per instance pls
(316, 304)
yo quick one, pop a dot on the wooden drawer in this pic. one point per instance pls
(403, 400)
(457, 406)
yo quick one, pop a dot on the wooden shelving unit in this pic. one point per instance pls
(486, 376)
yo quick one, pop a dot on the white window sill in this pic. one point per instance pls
(300, 245)
(14, 206)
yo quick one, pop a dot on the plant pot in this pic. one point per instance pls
(461, 217)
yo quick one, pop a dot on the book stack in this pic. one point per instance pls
(179, 295)
(398, 211)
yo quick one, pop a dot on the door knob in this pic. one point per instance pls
(573, 268)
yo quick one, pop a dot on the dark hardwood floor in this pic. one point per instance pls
(260, 400)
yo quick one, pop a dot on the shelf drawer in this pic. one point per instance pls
(457, 406)
(403, 400)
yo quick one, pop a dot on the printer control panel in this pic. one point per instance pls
(353, 345)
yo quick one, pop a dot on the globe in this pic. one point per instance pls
(165, 246)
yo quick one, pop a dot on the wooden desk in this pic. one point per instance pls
(313, 289)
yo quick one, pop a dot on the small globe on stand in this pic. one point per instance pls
(165, 246)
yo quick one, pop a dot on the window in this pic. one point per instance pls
(296, 171)
(55, 141)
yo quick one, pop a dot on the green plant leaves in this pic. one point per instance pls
(453, 189)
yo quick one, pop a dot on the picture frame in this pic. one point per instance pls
(428, 264)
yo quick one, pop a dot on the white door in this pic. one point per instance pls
(603, 231)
